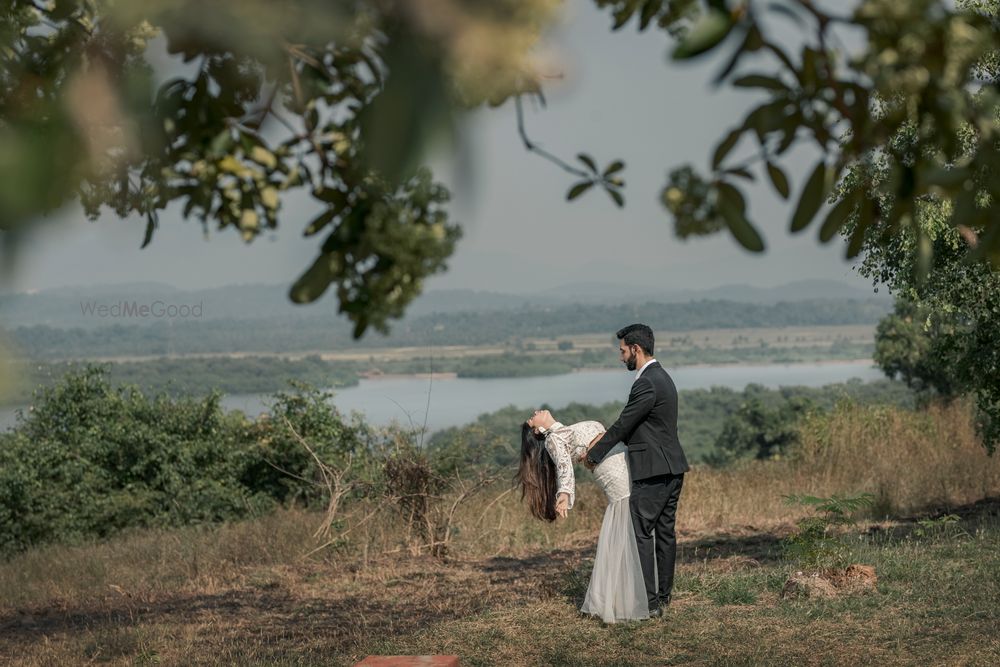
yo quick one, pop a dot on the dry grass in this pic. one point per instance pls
(909, 461)
(247, 593)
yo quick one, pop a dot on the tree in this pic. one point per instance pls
(337, 99)
(756, 431)
(945, 334)
(910, 345)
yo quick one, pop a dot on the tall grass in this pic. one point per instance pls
(911, 461)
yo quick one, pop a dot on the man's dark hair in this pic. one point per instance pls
(637, 334)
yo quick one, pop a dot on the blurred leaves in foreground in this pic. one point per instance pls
(339, 100)
(260, 99)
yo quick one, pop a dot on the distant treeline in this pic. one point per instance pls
(181, 377)
(470, 328)
(703, 416)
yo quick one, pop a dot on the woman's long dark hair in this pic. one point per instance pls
(536, 475)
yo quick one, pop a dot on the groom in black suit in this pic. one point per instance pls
(648, 427)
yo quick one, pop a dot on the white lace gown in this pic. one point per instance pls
(616, 591)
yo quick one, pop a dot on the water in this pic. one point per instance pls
(454, 401)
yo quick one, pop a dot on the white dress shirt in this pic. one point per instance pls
(643, 368)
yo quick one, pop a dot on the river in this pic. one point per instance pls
(456, 401)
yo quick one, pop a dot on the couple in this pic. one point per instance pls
(639, 464)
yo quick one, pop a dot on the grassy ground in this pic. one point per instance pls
(936, 603)
(252, 593)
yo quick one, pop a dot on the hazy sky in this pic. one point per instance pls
(621, 98)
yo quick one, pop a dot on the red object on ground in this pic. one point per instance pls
(409, 661)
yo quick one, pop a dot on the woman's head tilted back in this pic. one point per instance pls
(536, 475)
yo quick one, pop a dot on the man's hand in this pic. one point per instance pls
(562, 505)
(583, 459)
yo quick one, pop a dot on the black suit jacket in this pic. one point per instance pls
(648, 427)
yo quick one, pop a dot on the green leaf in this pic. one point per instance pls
(221, 144)
(790, 126)
(760, 81)
(779, 180)
(613, 168)
(767, 118)
(336, 198)
(320, 221)
(587, 160)
(413, 108)
(742, 172)
(578, 190)
(624, 14)
(857, 240)
(311, 284)
(616, 197)
(836, 218)
(809, 74)
(649, 11)
(732, 206)
(726, 146)
(150, 227)
(751, 42)
(812, 198)
(63, 9)
(704, 35)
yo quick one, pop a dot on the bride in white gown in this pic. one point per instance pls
(548, 450)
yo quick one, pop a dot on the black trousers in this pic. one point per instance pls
(654, 510)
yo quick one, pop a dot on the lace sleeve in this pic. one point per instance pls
(558, 442)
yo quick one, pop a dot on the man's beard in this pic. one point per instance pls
(630, 363)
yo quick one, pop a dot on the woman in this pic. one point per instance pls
(548, 450)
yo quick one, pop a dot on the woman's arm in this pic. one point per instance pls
(558, 442)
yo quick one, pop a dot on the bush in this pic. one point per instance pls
(755, 431)
(90, 459)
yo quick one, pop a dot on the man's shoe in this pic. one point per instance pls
(665, 602)
(656, 612)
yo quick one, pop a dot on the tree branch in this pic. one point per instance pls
(534, 148)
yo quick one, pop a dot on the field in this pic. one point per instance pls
(505, 590)
(726, 339)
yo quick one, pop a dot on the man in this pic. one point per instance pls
(648, 427)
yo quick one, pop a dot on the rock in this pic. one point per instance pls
(831, 582)
(856, 579)
(809, 586)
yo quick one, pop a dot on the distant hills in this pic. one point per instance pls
(69, 307)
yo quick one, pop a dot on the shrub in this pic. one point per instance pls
(90, 459)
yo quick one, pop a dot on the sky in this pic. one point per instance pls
(619, 97)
